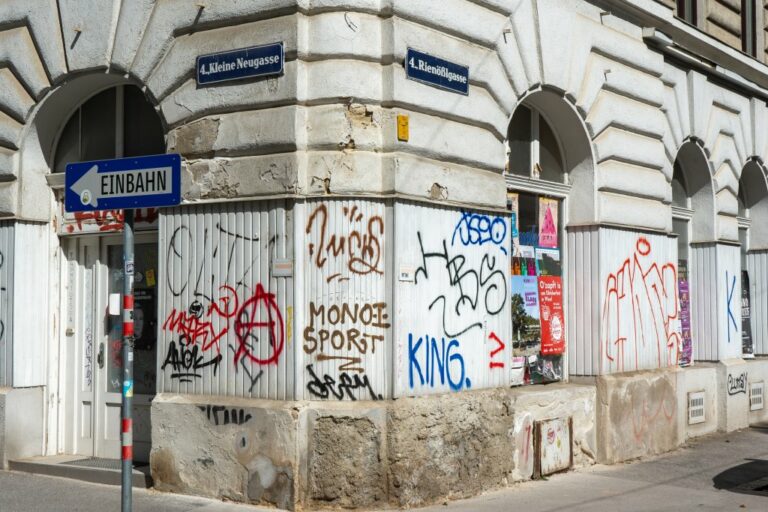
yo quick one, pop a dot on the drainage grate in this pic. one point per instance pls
(97, 462)
(756, 396)
(696, 407)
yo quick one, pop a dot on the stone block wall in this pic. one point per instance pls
(637, 415)
(405, 453)
(242, 450)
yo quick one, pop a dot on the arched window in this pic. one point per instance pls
(533, 149)
(549, 160)
(693, 222)
(753, 237)
(753, 207)
(117, 122)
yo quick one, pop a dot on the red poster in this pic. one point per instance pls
(552, 318)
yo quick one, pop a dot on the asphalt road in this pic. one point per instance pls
(22, 492)
(717, 473)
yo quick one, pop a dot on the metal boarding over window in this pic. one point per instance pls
(225, 313)
(7, 229)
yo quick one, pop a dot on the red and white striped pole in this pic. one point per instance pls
(126, 437)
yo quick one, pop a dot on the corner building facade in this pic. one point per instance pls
(369, 278)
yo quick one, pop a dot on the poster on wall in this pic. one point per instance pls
(526, 330)
(551, 313)
(513, 205)
(524, 264)
(686, 352)
(548, 222)
(548, 262)
(747, 348)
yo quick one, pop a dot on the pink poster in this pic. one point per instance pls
(548, 222)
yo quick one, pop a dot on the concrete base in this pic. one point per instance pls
(637, 414)
(21, 423)
(757, 371)
(733, 395)
(403, 453)
(700, 378)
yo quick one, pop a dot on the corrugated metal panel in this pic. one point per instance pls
(757, 266)
(6, 303)
(225, 319)
(31, 339)
(345, 316)
(453, 329)
(583, 301)
(640, 320)
(704, 301)
(728, 278)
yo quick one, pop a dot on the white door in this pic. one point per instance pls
(97, 337)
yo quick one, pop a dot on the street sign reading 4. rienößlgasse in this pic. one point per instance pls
(137, 182)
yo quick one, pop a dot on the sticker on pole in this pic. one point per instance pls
(139, 182)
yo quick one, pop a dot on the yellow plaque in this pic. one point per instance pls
(402, 128)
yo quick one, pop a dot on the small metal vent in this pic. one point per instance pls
(756, 393)
(696, 408)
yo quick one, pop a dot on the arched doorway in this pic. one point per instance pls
(550, 182)
(114, 122)
(753, 238)
(693, 225)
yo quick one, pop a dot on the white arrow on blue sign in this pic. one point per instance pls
(139, 182)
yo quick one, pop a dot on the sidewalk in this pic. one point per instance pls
(717, 473)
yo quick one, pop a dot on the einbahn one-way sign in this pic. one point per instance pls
(138, 182)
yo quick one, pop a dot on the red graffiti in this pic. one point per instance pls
(111, 220)
(499, 348)
(645, 416)
(258, 312)
(641, 308)
(198, 327)
(527, 445)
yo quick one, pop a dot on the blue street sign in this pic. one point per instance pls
(236, 64)
(436, 72)
(138, 182)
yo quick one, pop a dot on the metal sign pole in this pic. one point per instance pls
(127, 422)
(129, 183)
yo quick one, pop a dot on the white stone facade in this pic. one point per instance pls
(631, 92)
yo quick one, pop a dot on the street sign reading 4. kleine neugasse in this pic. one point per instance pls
(244, 63)
(138, 182)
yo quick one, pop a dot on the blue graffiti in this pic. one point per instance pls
(478, 229)
(730, 289)
(429, 357)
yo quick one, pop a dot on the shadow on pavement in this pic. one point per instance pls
(748, 478)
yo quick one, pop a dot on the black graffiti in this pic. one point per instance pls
(252, 379)
(346, 385)
(186, 361)
(737, 384)
(468, 284)
(226, 245)
(221, 415)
